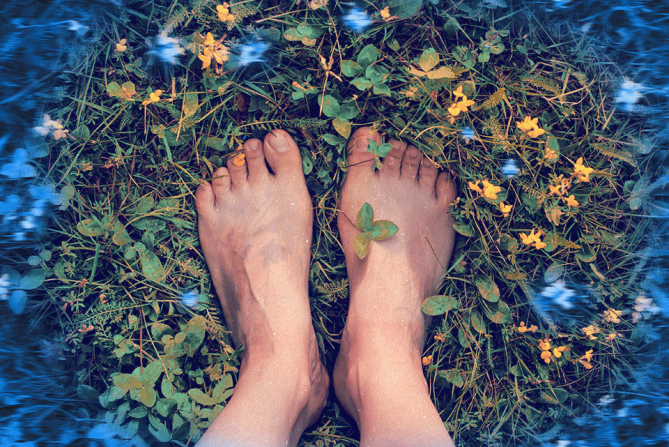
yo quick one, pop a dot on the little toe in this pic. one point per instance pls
(427, 174)
(393, 161)
(359, 157)
(411, 163)
(446, 188)
(282, 154)
(238, 174)
(204, 198)
(255, 157)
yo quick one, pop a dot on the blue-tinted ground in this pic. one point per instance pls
(42, 40)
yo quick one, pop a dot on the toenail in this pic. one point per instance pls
(253, 145)
(362, 144)
(414, 152)
(278, 142)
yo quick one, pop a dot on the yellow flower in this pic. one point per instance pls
(522, 328)
(571, 201)
(611, 336)
(121, 46)
(427, 360)
(48, 125)
(539, 245)
(440, 337)
(581, 171)
(545, 345)
(612, 315)
(506, 209)
(59, 133)
(385, 12)
(587, 357)
(550, 154)
(527, 240)
(530, 127)
(454, 110)
(224, 13)
(557, 352)
(490, 190)
(528, 124)
(239, 159)
(153, 97)
(536, 133)
(458, 92)
(475, 187)
(546, 355)
(590, 331)
(555, 190)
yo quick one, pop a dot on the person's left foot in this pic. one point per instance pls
(255, 230)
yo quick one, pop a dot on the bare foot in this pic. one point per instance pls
(378, 375)
(255, 230)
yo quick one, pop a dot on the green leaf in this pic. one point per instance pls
(453, 377)
(67, 192)
(222, 385)
(152, 268)
(350, 68)
(34, 260)
(147, 396)
(375, 74)
(484, 56)
(488, 289)
(151, 373)
(201, 398)
(87, 393)
(586, 254)
(127, 382)
(342, 126)
(554, 272)
(33, 279)
(362, 83)
(45, 254)
(404, 9)
(190, 105)
(439, 304)
(114, 89)
(361, 244)
(90, 228)
(477, 322)
(330, 106)
(429, 59)
(463, 229)
(381, 89)
(166, 407)
(160, 432)
(348, 111)
(382, 229)
(368, 55)
(194, 331)
(144, 205)
(363, 221)
(307, 164)
(451, 26)
(139, 412)
(499, 313)
(121, 238)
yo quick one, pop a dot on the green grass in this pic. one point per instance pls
(127, 249)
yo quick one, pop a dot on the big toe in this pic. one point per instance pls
(360, 160)
(282, 154)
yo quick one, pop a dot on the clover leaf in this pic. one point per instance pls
(371, 230)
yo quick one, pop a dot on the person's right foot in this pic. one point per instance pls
(379, 364)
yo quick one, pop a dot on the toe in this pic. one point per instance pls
(255, 158)
(446, 188)
(220, 182)
(410, 163)
(238, 174)
(359, 157)
(282, 154)
(204, 198)
(427, 174)
(392, 162)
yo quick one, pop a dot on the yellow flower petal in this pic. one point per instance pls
(458, 92)
(454, 110)
(506, 209)
(554, 190)
(536, 133)
(209, 40)
(385, 12)
(475, 187)
(571, 201)
(239, 159)
(206, 61)
(427, 360)
(522, 327)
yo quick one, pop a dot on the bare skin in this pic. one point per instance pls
(255, 231)
(378, 376)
